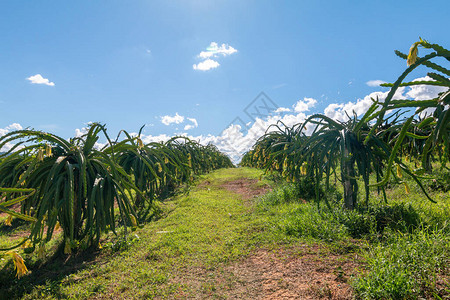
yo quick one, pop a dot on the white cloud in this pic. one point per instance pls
(14, 126)
(3, 131)
(155, 138)
(214, 50)
(8, 147)
(375, 83)
(191, 126)
(7, 129)
(81, 132)
(425, 92)
(206, 65)
(177, 119)
(193, 120)
(282, 110)
(85, 130)
(304, 105)
(38, 79)
(339, 111)
(236, 140)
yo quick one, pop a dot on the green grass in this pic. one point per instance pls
(408, 266)
(201, 230)
(12, 235)
(405, 245)
(405, 242)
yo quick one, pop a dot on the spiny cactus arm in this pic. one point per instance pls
(394, 90)
(394, 152)
(426, 63)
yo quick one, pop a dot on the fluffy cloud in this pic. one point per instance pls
(206, 65)
(300, 106)
(191, 126)
(155, 138)
(424, 92)
(7, 129)
(11, 127)
(339, 111)
(304, 105)
(375, 83)
(282, 110)
(38, 79)
(81, 132)
(7, 147)
(194, 121)
(214, 50)
(14, 126)
(236, 140)
(177, 119)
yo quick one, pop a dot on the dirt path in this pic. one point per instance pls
(212, 244)
(299, 272)
(246, 188)
(289, 274)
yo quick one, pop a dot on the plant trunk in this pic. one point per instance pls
(349, 182)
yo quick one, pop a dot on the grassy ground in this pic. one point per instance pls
(201, 230)
(405, 242)
(223, 240)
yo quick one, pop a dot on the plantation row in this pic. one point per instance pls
(89, 191)
(381, 146)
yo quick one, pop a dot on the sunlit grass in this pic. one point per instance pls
(206, 227)
(406, 240)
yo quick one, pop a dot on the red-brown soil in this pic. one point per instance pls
(247, 188)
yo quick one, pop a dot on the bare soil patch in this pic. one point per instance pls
(289, 274)
(293, 273)
(247, 188)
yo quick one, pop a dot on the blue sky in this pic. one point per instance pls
(129, 63)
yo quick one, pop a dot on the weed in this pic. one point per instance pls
(406, 267)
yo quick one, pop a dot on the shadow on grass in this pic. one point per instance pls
(48, 274)
(16, 224)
